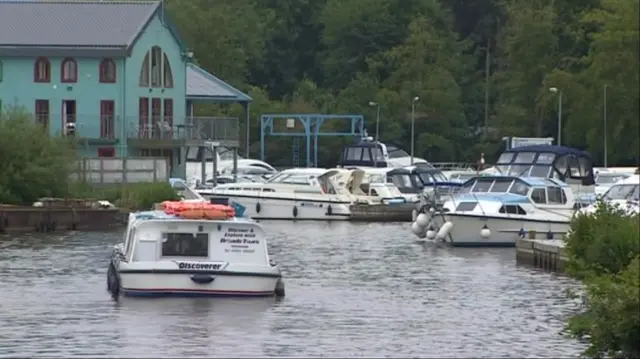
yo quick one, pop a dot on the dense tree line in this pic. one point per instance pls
(482, 69)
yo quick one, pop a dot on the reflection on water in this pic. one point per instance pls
(352, 290)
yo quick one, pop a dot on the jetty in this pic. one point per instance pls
(546, 254)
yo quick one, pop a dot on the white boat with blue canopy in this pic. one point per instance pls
(168, 255)
(569, 165)
(497, 210)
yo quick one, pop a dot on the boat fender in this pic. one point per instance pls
(431, 233)
(279, 291)
(295, 212)
(417, 229)
(485, 232)
(414, 215)
(329, 210)
(444, 230)
(258, 207)
(113, 281)
(422, 220)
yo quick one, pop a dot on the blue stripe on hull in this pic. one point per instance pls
(191, 293)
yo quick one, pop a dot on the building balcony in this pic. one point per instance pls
(86, 129)
(188, 131)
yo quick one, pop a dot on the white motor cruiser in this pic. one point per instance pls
(495, 211)
(305, 194)
(624, 194)
(168, 255)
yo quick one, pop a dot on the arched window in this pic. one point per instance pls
(168, 76)
(156, 61)
(107, 71)
(144, 72)
(42, 70)
(69, 70)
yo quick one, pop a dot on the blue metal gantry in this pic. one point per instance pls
(311, 124)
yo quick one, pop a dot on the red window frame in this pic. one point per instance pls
(73, 77)
(103, 73)
(36, 67)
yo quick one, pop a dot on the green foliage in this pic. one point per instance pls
(335, 56)
(132, 196)
(602, 242)
(33, 164)
(603, 251)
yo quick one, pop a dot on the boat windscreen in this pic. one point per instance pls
(629, 192)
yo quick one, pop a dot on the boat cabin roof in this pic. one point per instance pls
(547, 161)
(161, 215)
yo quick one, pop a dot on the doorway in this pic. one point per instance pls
(69, 117)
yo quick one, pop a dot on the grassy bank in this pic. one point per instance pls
(603, 252)
(133, 196)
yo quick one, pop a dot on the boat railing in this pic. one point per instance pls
(454, 166)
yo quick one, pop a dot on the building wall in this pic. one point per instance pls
(19, 89)
(156, 34)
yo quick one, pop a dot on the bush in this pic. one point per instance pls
(33, 164)
(603, 250)
(602, 242)
(131, 196)
(612, 319)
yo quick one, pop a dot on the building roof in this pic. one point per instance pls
(202, 85)
(58, 27)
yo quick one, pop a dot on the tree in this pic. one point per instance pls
(33, 164)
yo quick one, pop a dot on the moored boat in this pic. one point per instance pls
(193, 249)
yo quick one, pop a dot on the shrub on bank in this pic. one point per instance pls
(603, 251)
(33, 163)
(602, 242)
(131, 196)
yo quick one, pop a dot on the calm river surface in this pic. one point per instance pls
(356, 290)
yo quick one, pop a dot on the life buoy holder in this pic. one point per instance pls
(258, 207)
(295, 212)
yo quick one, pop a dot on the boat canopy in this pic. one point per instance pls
(548, 161)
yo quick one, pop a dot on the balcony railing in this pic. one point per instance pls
(81, 126)
(187, 128)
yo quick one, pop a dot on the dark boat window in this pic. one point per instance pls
(562, 164)
(539, 196)
(585, 166)
(545, 158)
(519, 188)
(540, 171)
(402, 181)
(519, 170)
(366, 154)
(185, 245)
(501, 185)
(466, 206)
(426, 178)
(525, 157)
(512, 209)
(354, 154)
(574, 167)
(466, 188)
(505, 158)
(482, 185)
(555, 195)
(395, 152)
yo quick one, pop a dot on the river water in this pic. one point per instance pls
(353, 290)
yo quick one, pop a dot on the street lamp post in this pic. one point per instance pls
(604, 119)
(413, 125)
(377, 105)
(555, 90)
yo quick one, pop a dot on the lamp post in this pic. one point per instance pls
(413, 125)
(555, 90)
(604, 119)
(377, 105)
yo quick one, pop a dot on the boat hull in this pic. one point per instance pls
(150, 284)
(289, 208)
(504, 232)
